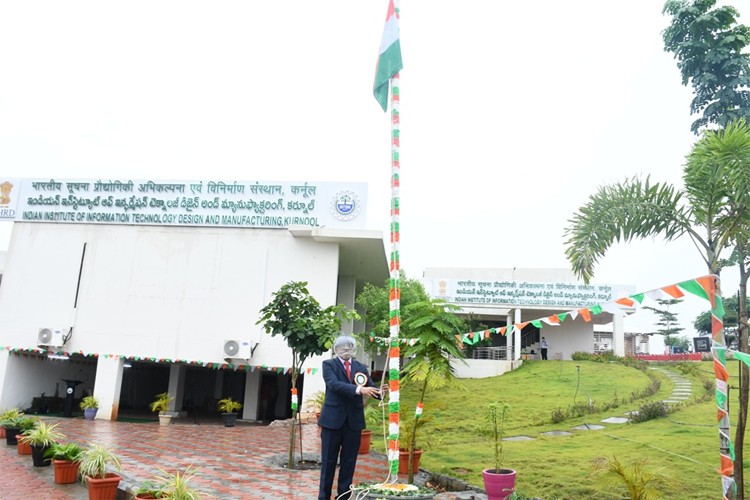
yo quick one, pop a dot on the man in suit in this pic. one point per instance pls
(342, 417)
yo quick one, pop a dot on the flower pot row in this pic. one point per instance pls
(41, 441)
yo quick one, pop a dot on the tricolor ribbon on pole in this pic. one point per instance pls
(387, 77)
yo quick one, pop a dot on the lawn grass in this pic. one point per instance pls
(683, 446)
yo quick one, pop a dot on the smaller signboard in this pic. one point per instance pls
(702, 344)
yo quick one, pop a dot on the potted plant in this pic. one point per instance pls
(89, 405)
(148, 490)
(430, 361)
(315, 403)
(176, 486)
(7, 415)
(373, 418)
(65, 461)
(161, 405)
(93, 471)
(413, 448)
(499, 483)
(228, 408)
(15, 430)
(39, 438)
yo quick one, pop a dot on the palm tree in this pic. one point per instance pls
(712, 211)
(434, 324)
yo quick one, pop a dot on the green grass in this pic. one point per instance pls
(683, 447)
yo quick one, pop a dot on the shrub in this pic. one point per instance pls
(634, 362)
(650, 411)
(558, 416)
(600, 357)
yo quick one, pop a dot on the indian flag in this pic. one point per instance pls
(389, 61)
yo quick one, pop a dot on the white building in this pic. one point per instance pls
(129, 288)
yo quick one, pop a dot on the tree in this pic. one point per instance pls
(667, 319)
(708, 45)
(373, 302)
(702, 323)
(681, 343)
(435, 324)
(712, 211)
(307, 328)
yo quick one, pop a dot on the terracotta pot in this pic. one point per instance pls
(144, 496)
(66, 472)
(499, 485)
(403, 461)
(23, 448)
(364, 443)
(103, 489)
(2, 432)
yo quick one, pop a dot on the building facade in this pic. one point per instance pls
(124, 289)
(502, 298)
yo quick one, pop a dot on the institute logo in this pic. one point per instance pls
(345, 205)
(5, 189)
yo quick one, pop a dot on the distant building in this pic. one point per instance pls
(502, 297)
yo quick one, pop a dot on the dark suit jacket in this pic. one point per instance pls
(342, 401)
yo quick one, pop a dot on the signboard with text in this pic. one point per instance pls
(192, 203)
(524, 293)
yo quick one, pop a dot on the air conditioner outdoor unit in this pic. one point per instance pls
(237, 349)
(50, 337)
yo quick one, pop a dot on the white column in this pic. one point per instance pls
(346, 295)
(618, 335)
(517, 336)
(252, 395)
(176, 386)
(107, 386)
(509, 337)
(5, 397)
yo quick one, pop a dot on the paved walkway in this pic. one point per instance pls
(242, 462)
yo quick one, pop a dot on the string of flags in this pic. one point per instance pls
(217, 366)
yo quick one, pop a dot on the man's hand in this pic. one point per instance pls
(370, 391)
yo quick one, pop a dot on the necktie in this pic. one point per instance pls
(347, 366)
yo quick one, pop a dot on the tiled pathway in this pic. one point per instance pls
(234, 463)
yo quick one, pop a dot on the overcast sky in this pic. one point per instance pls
(512, 112)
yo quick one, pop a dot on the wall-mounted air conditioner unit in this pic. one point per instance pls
(50, 337)
(237, 349)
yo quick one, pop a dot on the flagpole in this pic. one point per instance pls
(394, 354)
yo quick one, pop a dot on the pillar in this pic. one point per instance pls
(618, 335)
(107, 386)
(251, 399)
(176, 386)
(509, 337)
(517, 336)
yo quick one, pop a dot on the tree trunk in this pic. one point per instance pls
(293, 428)
(717, 334)
(413, 443)
(742, 334)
